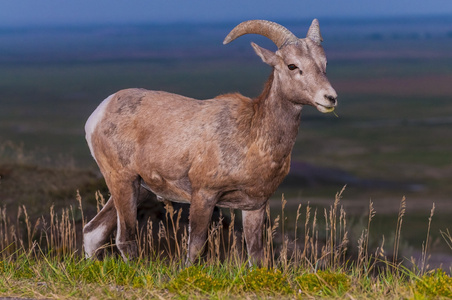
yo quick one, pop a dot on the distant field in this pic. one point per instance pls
(394, 83)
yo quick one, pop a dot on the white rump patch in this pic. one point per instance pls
(93, 120)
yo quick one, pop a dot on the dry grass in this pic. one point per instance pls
(58, 235)
(47, 254)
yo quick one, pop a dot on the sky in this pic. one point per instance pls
(80, 12)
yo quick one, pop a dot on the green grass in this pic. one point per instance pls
(114, 278)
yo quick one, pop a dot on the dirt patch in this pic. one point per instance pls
(16, 298)
(38, 187)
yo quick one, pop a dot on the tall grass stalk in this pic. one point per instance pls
(398, 230)
(424, 258)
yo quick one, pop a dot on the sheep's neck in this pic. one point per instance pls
(276, 120)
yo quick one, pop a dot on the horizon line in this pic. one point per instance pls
(324, 19)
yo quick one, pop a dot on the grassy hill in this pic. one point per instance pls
(393, 121)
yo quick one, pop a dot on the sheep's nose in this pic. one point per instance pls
(332, 99)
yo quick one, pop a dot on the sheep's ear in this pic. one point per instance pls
(314, 32)
(267, 56)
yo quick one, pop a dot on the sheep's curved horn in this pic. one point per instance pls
(314, 32)
(279, 34)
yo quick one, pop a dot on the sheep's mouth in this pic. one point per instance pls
(324, 108)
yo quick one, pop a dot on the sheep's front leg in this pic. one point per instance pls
(253, 226)
(201, 208)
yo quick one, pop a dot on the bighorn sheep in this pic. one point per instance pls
(230, 151)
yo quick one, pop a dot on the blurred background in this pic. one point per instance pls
(389, 61)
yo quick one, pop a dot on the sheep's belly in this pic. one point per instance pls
(240, 200)
(232, 199)
(170, 192)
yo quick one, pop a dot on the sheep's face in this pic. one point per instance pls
(300, 74)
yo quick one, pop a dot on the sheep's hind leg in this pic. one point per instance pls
(99, 229)
(253, 226)
(125, 194)
(97, 232)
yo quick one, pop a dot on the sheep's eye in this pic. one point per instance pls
(292, 67)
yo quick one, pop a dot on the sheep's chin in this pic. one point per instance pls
(324, 109)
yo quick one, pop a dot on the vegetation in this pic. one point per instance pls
(315, 259)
